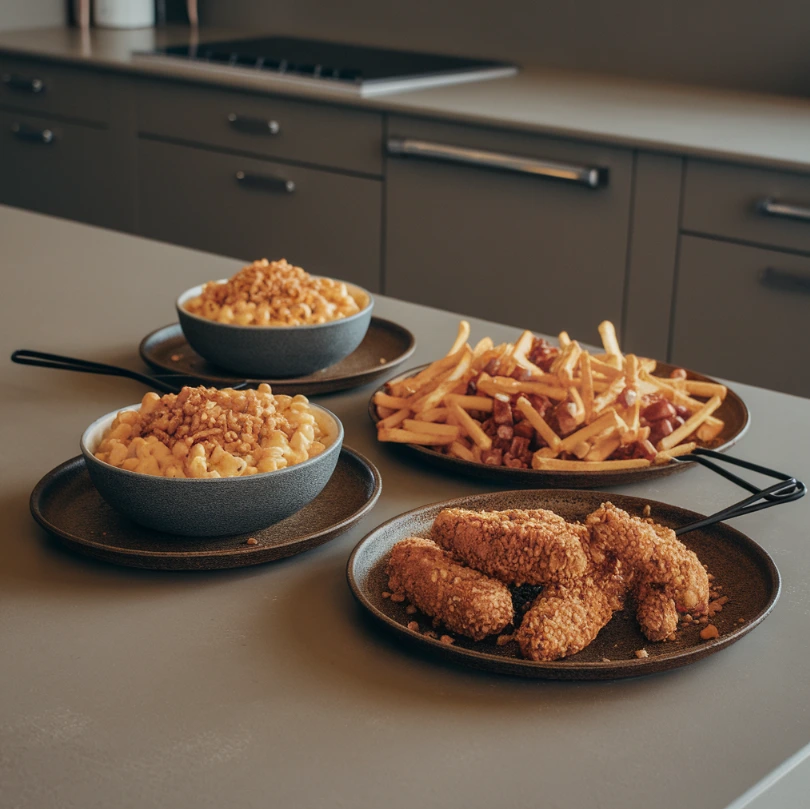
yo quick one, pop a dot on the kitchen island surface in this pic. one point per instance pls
(266, 686)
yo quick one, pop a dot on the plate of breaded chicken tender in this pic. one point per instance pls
(562, 584)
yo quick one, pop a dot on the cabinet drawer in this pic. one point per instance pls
(62, 169)
(734, 201)
(325, 222)
(53, 89)
(290, 130)
(742, 313)
(508, 246)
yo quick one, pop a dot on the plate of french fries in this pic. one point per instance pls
(535, 413)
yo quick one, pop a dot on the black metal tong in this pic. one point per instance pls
(785, 491)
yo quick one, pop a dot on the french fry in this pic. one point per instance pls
(471, 427)
(430, 428)
(523, 344)
(538, 422)
(571, 354)
(573, 395)
(460, 451)
(385, 412)
(433, 398)
(395, 419)
(461, 338)
(563, 339)
(709, 430)
(605, 422)
(603, 447)
(505, 384)
(392, 402)
(484, 344)
(706, 389)
(559, 465)
(690, 425)
(410, 437)
(586, 380)
(610, 342)
(483, 403)
(608, 396)
(667, 455)
(434, 414)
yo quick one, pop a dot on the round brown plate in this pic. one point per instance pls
(747, 574)
(67, 504)
(732, 411)
(385, 346)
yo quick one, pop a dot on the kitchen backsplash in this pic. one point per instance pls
(747, 44)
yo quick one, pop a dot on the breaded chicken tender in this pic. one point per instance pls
(517, 546)
(464, 600)
(653, 553)
(566, 618)
(655, 611)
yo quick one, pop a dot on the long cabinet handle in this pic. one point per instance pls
(589, 176)
(253, 126)
(265, 182)
(784, 210)
(30, 133)
(23, 84)
(785, 280)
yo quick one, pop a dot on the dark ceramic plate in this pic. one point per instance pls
(732, 411)
(385, 346)
(747, 574)
(67, 504)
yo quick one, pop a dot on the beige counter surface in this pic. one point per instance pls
(265, 686)
(723, 124)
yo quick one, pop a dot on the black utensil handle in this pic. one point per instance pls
(43, 359)
(786, 490)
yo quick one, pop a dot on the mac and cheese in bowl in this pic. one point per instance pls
(272, 320)
(208, 462)
(276, 293)
(211, 433)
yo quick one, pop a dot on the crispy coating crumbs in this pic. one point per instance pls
(517, 546)
(641, 653)
(275, 293)
(464, 600)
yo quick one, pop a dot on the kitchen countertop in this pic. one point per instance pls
(767, 130)
(265, 686)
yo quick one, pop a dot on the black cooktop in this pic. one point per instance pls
(333, 62)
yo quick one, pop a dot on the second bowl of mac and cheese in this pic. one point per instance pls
(274, 320)
(208, 462)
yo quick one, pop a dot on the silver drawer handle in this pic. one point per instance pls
(253, 126)
(265, 182)
(785, 210)
(590, 176)
(25, 132)
(14, 81)
(785, 280)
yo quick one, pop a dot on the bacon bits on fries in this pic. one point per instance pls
(531, 405)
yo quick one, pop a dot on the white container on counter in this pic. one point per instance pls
(124, 13)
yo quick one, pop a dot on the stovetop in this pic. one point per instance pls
(352, 69)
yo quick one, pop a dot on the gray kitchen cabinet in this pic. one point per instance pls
(63, 169)
(327, 222)
(525, 243)
(48, 88)
(743, 313)
(278, 128)
(760, 206)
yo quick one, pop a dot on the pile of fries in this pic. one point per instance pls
(578, 412)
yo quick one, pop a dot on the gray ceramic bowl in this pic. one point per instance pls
(271, 352)
(211, 506)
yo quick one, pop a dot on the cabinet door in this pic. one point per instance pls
(507, 245)
(327, 223)
(61, 169)
(742, 313)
